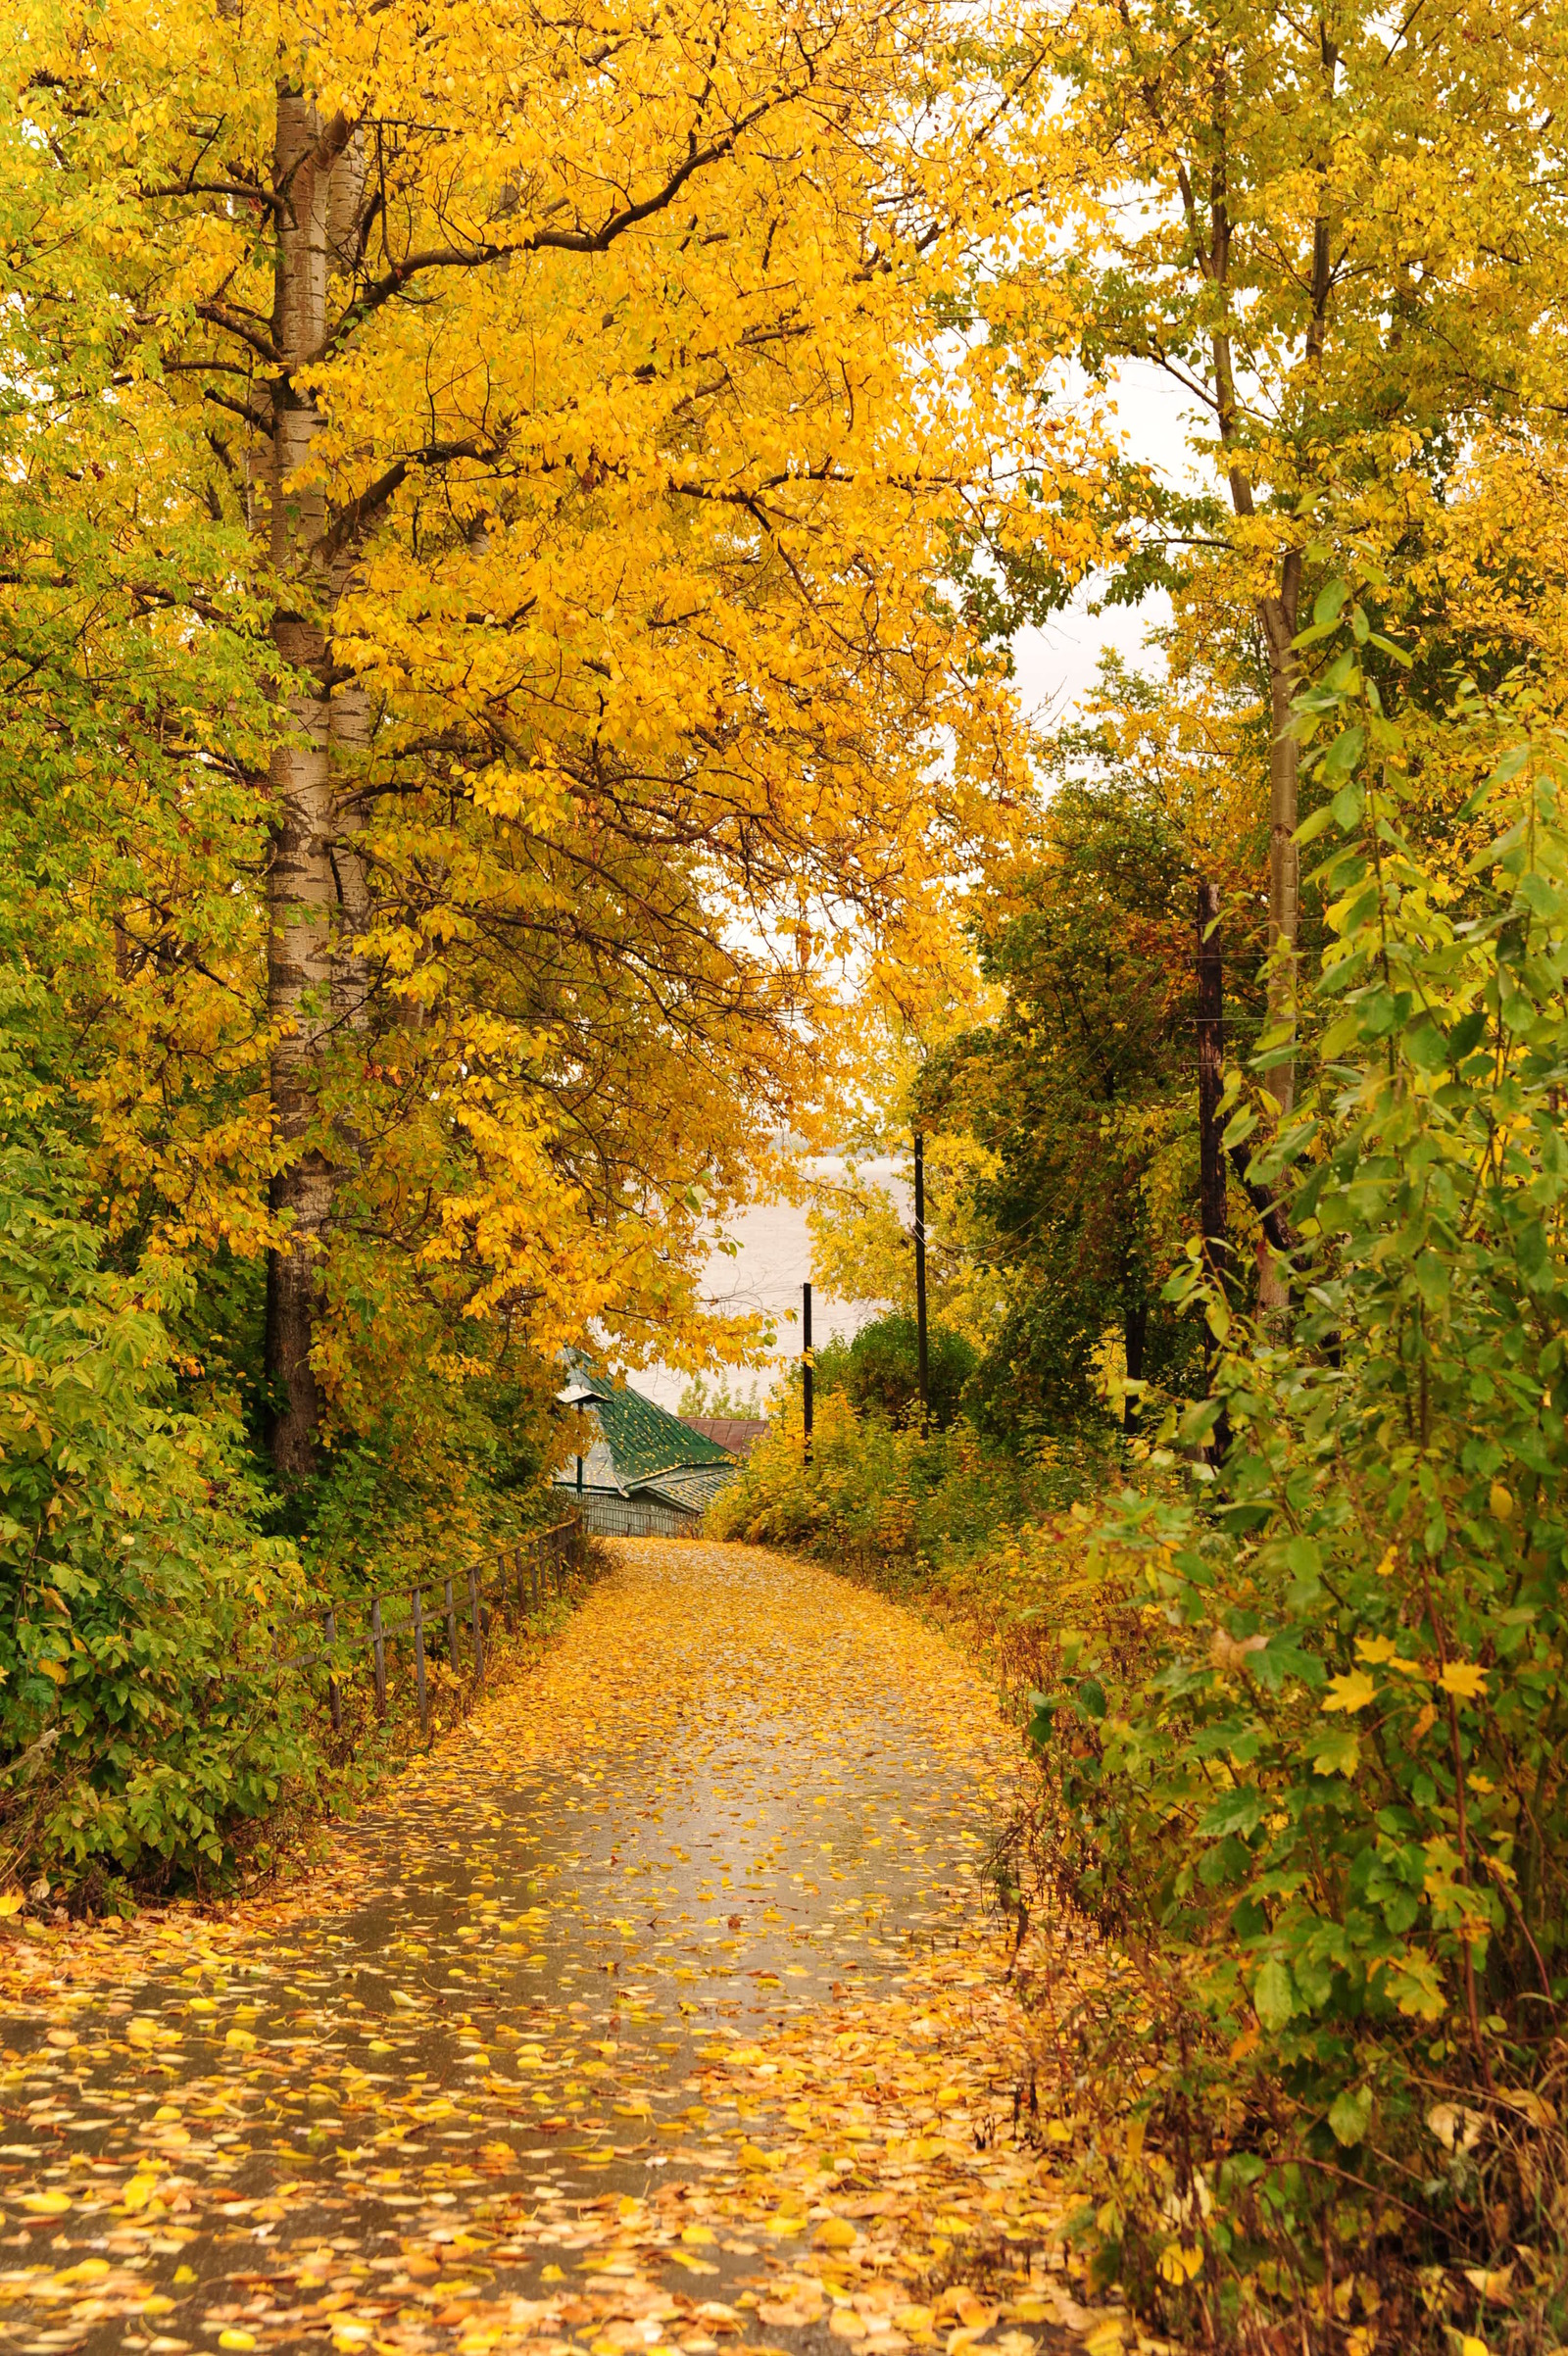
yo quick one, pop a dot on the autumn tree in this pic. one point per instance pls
(1338, 237)
(557, 389)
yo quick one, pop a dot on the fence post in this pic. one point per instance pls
(536, 1575)
(333, 1695)
(381, 1656)
(452, 1630)
(516, 1565)
(478, 1632)
(416, 1604)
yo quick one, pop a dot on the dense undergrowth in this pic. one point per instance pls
(1300, 1693)
(150, 1738)
(887, 1499)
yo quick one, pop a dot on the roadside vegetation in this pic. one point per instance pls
(1287, 1637)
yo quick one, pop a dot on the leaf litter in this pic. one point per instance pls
(655, 2009)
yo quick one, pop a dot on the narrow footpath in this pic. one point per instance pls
(660, 2007)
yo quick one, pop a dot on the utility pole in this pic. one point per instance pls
(919, 1274)
(806, 1361)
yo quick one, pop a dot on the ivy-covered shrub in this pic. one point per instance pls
(1305, 1752)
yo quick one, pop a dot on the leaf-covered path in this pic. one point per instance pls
(656, 2009)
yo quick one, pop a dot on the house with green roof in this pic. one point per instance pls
(646, 1474)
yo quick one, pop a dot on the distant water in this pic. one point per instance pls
(766, 1273)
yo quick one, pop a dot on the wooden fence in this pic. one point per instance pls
(550, 1555)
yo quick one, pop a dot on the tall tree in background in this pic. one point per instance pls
(1338, 237)
(1077, 1094)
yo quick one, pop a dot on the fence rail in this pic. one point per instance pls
(549, 1554)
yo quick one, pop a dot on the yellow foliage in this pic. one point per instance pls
(575, 408)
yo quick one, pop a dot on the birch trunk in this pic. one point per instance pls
(305, 986)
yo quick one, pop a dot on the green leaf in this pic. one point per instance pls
(1337, 1752)
(1467, 1034)
(1425, 1044)
(1343, 754)
(1347, 808)
(1092, 1697)
(1329, 604)
(1273, 1996)
(1351, 2114)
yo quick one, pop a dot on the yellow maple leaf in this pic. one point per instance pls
(1352, 1691)
(1465, 1679)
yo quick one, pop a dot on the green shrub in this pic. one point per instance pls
(1306, 1747)
(879, 1370)
(142, 1721)
(884, 1498)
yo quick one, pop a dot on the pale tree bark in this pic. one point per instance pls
(310, 917)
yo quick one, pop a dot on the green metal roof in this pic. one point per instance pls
(693, 1488)
(642, 1438)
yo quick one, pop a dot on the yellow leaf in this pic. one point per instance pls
(46, 2204)
(234, 2337)
(1352, 1691)
(1464, 1678)
(836, 2234)
(12, 1902)
(1502, 1503)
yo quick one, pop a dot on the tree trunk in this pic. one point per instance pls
(1278, 616)
(1211, 1029)
(303, 895)
(1135, 1332)
(1211, 1075)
